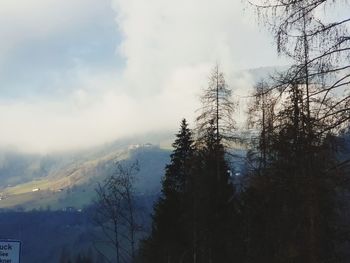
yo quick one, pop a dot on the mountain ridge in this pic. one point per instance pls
(49, 181)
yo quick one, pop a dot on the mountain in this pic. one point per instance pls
(63, 180)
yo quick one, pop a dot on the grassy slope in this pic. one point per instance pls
(73, 184)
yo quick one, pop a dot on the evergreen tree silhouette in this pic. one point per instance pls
(167, 242)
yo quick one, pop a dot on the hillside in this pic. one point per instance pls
(69, 180)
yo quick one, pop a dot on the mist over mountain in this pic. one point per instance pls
(60, 180)
(77, 172)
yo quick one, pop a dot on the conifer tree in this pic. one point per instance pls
(215, 215)
(196, 219)
(168, 240)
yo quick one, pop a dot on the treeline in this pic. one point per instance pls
(291, 204)
(287, 208)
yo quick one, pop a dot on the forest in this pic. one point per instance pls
(291, 202)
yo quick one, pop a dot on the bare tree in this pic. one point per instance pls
(319, 46)
(261, 116)
(115, 214)
(312, 96)
(216, 114)
(217, 108)
(126, 181)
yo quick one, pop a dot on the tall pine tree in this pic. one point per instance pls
(215, 215)
(167, 242)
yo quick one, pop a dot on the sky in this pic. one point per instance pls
(79, 73)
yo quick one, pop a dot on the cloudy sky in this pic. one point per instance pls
(80, 73)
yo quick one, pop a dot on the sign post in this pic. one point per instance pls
(10, 251)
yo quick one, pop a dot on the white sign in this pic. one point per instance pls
(10, 251)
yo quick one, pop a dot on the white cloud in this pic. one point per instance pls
(169, 48)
